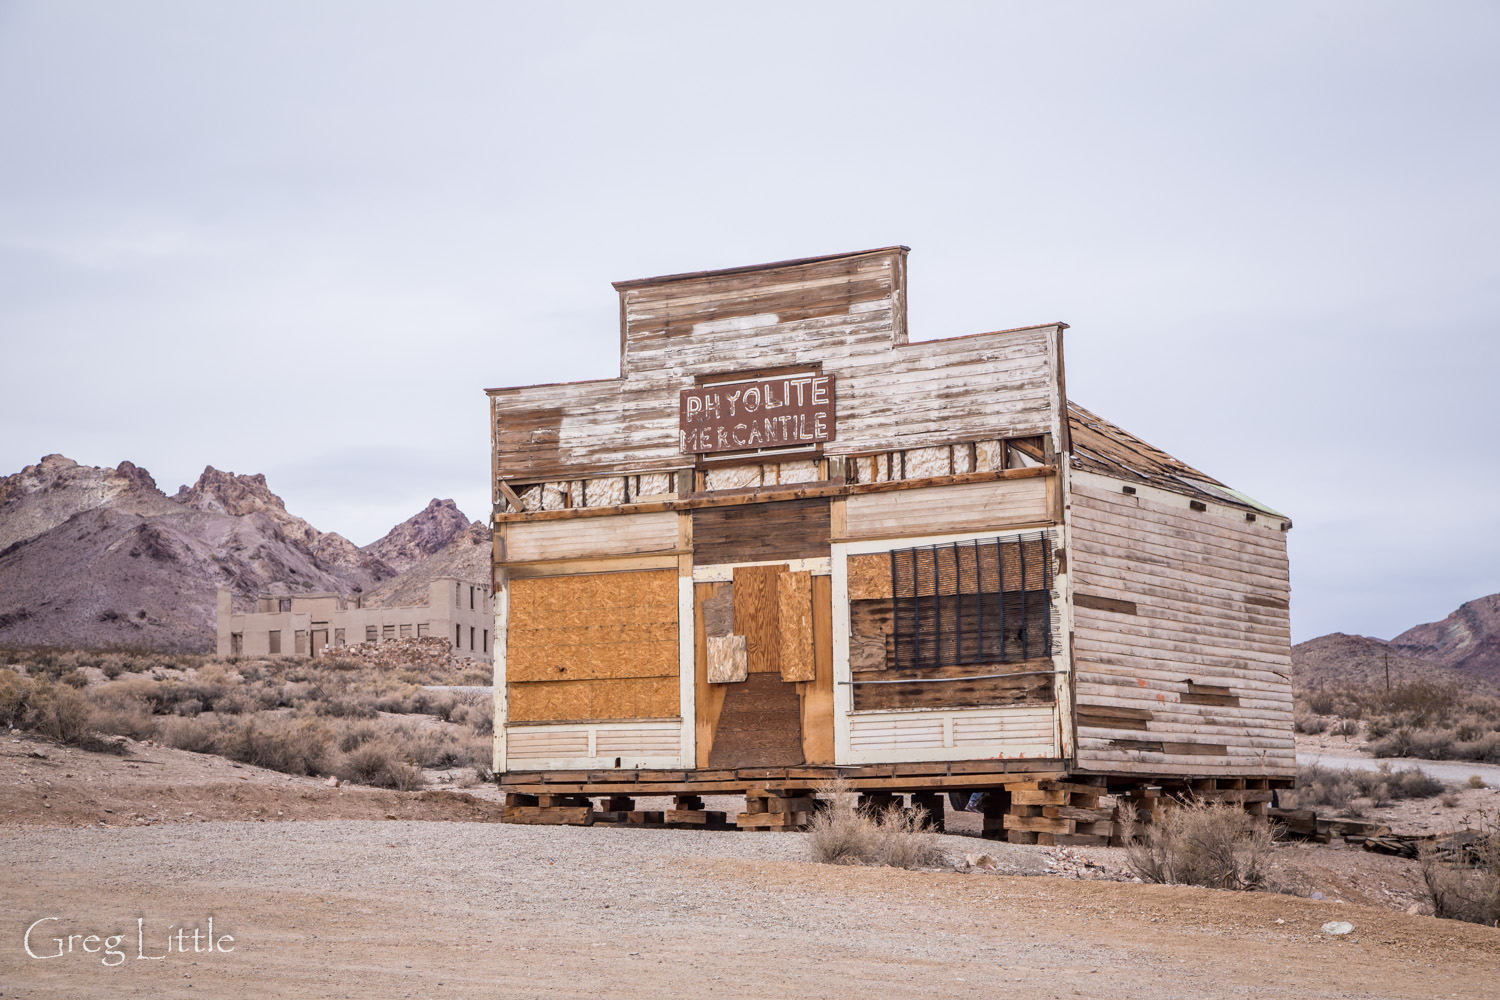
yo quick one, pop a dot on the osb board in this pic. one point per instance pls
(708, 698)
(727, 662)
(817, 695)
(757, 606)
(583, 661)
(794, 610)
(630, 698)
(595, 590)
(598, 646)
(756, 532)
(869, 576)
(759, 724)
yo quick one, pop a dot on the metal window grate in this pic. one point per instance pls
(975, 602)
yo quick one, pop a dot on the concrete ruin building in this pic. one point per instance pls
(306, 624)
(788, 542)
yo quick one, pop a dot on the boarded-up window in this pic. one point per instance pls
(975, 602)
(372, 633)
(596, 646)
(405, 631)
(387, 633)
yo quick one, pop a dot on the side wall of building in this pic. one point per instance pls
(1182, 640)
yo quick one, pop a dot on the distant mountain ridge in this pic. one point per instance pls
(1463, 648)
(98, 556)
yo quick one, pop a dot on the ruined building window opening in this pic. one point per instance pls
(372, 633)
(405, 631)
(236, 643)
(284, 604)
(972, 603)
(458, 637)
(486, 648)
(273, 641)
(387, 633)
(422, 630)
(471, 598)
(471, 638)
(338, 637)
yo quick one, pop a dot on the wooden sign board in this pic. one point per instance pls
(781, 412)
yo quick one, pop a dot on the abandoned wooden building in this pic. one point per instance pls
(788, 542)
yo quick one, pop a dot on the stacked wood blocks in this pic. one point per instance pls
(613, 810)
(777, 809)
(1049, 813)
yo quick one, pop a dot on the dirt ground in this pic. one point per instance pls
(368, 894)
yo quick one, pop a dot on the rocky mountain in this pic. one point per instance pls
(1463, 648)
(418, 537)
(465, 556)
(1340, 660)
(101, 557)
(1468, 640)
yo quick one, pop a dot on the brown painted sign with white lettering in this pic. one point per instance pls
(781, 412)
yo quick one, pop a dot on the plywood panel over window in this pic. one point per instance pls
(595, 646)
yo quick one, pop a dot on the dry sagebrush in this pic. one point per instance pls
(844, 834)
(1212, 844)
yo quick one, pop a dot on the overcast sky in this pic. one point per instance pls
(301, 238)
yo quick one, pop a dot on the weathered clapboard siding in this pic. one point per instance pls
(940, 509)
(589, 537)
(845, 315)
(1140, 676)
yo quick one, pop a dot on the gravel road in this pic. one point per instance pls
(414, 909)
(1444, 770)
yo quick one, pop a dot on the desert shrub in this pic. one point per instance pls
(842, 834)
(1347, 727)
(287, 745)
(294, 747)
(347, 706)
(404, 777)
(354, 737)
(1320, 702)
(1306, 722)
(1205, 843)
(1397, 743)
(906, 840)
(477, 712)
(122, 719)
(1485, 748)
(1413, 783)
(59, 712)
(1341, 790)
(1469, 892)
(194, 735)
(1448, 801)
(366, 764)
(1475, 781)
(15, 696)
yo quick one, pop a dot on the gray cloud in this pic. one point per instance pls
(301, 239)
